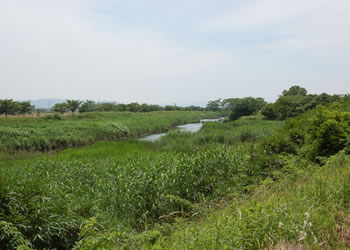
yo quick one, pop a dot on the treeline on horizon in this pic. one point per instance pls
(291, 103)
(10, 107)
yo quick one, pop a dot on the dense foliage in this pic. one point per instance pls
(9, 107)
(295, 101)
(91, 106)
(245, 106)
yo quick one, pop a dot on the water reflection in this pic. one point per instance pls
(190, 127)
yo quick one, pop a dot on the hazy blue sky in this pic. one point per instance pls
(182, 51)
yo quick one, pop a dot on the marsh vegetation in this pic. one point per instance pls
(250, 183)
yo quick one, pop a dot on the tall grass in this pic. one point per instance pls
(127, 186)
(305, 209)
(47, 199)
(228, 133)
(43, 134)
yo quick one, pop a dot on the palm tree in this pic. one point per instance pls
(73, 105)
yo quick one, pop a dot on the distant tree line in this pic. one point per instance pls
(291, 103)
(10, 107)
(296, 101)
(91, 106)
(237, 107)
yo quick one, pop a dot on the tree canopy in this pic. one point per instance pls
(246, 106)
(8, 107)
(294, 91)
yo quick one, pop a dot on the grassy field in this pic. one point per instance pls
(248, 184)
(308, 208)
(57, 132)
(126, 185)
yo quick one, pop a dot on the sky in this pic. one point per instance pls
(162, 51)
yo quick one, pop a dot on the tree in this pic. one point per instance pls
(25, 108)
(73, 105)
(294, 90)
(8, 107)
(107, 106)
(230, 103)
(246, 106)
(60, 108)
(88, 106)
(134, 107)
(215, 105)
(269, 111)
(291, 106)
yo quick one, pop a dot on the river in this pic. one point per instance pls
(190, 127)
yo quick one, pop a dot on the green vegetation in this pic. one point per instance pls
(128, 186)
(245, 106)
(295, 101)
(307, 208)
(291, 103)
(250, 183)
(57, 132)
(9, 107)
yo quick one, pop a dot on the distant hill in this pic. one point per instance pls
(187, 104)
(45, 103)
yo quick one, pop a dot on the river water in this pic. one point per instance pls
(190, 127)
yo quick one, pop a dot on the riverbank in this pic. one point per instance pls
(126, 186)
(58, 132)
(249, 184)
(190, 127)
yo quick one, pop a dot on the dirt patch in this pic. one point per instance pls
(289, 246)
(343, 230)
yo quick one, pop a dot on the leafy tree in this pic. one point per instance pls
(88, 106)
(25, 108)
(230, 103)
(329, 132)
(171, 107)
(269, 111)
(60, 108)
(324, 98)
(215, 105)
(73, 105)
(291, 106)
(246, 106)
(134, 107)
(295, 90)
(8, 107)
(107, 106)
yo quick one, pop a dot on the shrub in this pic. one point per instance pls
(329, 132)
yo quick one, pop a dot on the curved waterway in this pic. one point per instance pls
(190, 127)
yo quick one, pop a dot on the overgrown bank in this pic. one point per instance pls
(127, 186)
(280, 183)
(57, 132)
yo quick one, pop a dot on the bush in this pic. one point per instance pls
(329, 132)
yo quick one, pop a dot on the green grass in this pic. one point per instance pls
(244, 130)
(43, 134)
(223, 187)
(127, 185)
(306, 208)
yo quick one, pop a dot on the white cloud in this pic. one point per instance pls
(297, 23)
(53, 50)
(64, 49)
